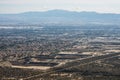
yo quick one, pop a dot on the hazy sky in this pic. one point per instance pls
(16, 6)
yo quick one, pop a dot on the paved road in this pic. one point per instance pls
(75, 63)
(85, 61)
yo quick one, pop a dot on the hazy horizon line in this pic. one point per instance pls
(60, 10)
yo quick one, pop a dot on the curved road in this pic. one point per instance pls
(74, 63)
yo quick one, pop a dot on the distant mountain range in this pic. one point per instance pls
(60, 17)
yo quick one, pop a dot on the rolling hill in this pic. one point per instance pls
(60, 17)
